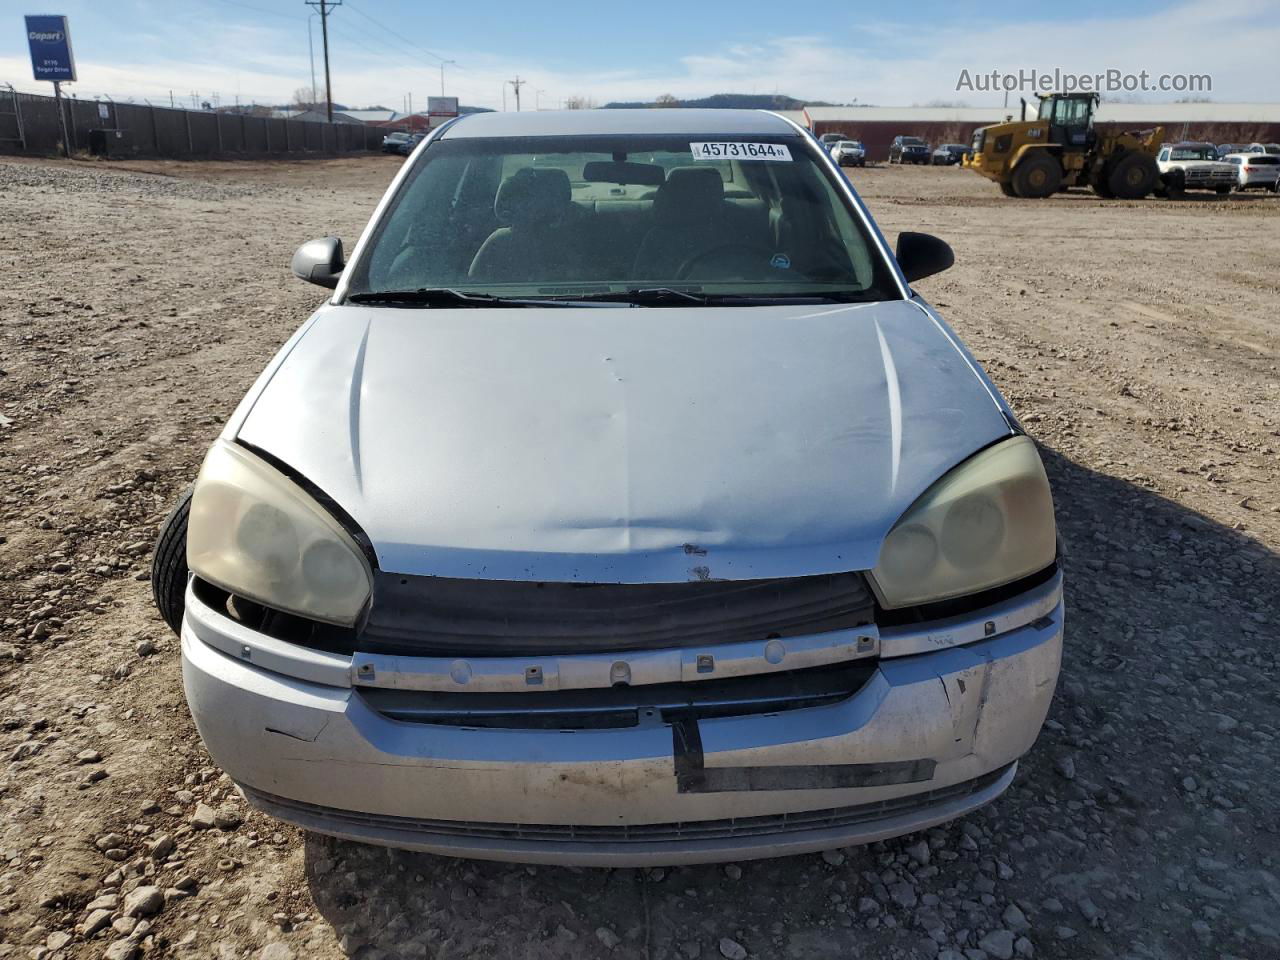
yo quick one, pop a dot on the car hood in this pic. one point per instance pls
(624, 445)
(1204, 165)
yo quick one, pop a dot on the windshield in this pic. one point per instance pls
(599, 216)
(1194, 153)
(913, 141)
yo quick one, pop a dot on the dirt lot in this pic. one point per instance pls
(1138, 341)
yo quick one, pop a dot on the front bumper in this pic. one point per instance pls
(929, 737)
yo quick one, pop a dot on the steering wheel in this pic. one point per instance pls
(749, 257)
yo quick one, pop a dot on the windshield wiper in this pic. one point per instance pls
(439, 297)
(673, 297)
(640, 297)
(649, 297)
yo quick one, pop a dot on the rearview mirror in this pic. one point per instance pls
(922, 255)
(319, 261)
(622, 171)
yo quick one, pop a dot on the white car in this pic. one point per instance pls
(1256, 171)
(849, 153)
(1193, 166)
(623, 504)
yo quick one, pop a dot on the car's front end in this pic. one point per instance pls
(915, 153)
(1206, 175)
(391, 142)
(890, 732)
(628, 576)
(850, 154)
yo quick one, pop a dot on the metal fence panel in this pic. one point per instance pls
(169, 132)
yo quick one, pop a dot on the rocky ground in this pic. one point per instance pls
(1138, 341)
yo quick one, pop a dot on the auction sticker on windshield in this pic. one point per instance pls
(736, 150)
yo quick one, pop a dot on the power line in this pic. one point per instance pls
(398, 35)
(347, 37)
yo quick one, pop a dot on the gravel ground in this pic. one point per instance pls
(1138, 341)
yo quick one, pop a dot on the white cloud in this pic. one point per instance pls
(876, 62)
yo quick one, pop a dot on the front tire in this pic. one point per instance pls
(1037, 177)
(169, 564)
(1132, 175)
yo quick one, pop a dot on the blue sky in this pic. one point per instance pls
(883, 53)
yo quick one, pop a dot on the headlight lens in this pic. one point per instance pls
(255, 532)
(986, 523)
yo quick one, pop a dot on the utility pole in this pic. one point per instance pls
(326, 8)
(442, 65)
(312, 51)
(516, 84)
(62, 118)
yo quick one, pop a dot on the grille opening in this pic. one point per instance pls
(622, 706)
(444, 616)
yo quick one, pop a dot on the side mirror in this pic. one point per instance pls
(319, 261)
(922, 255)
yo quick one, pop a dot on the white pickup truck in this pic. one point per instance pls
(1193, 166)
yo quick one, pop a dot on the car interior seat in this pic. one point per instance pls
(690, 214)
(539, 238)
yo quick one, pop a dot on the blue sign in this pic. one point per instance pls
(50, 43)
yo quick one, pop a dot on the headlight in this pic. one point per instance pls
(986, 523)
(256, 533)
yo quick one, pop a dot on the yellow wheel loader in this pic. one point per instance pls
(1061, 148)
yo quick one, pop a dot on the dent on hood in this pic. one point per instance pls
(624, 445)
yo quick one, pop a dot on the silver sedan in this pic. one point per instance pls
(624, 504)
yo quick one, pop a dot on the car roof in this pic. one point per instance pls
(568, 123)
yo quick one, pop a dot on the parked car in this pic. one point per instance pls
(849, 153)
(410, 144)
(1256, 171)
(392, 142)
(619, 532)
(1273, 148)
(1193, 166)
(829, 140)
(1227, 148)
(908, 150)
(949, 153)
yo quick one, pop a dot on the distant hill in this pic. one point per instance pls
(725, 101)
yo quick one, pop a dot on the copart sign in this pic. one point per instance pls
(50, 41)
